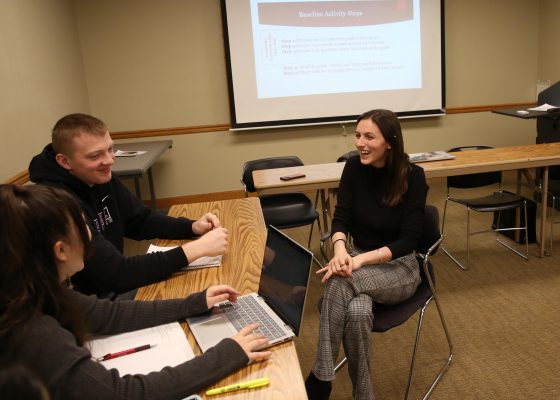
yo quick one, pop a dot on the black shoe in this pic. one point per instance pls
(317, 389)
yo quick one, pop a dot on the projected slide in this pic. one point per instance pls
(320, 47)
(317, 61)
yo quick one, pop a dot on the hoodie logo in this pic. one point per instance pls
(103, 219)
(104, 198)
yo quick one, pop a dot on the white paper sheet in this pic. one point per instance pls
(172, 349)
(129, 153)
(542, 107)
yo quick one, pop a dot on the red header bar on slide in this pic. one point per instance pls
(335, 13)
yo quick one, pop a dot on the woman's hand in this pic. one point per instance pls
(341, 264)
(219, 293)
(250, 341)
(205, 224)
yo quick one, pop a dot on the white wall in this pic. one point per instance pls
(151, 65)
(41, 76)
(549, 51)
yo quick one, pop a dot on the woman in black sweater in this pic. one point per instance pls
(44, 323)
(381, 202)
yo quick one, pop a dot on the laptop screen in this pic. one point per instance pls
(284, 277)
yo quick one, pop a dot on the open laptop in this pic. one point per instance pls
(279, 303)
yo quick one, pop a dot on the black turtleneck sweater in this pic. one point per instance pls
(360, 210)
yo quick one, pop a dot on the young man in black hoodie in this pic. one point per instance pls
(79, 160)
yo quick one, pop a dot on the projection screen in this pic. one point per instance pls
(311, 62)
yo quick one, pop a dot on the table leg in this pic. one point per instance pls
(152, 190)
(327, 213)
(544, 200)
(327, 207)
(137, 187)
(324, 215)
(518, 213)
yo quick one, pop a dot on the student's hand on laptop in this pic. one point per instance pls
(219, 293)
(205, 224)
(213, 243)
(250, 341)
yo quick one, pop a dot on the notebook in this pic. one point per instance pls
(430, 156)
(280, 300)
(171, 349)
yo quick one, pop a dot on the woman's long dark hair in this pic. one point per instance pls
(397, 162)
(33, 218)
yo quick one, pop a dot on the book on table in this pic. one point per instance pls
(430, 156)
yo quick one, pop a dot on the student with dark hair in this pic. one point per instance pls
(381, 201)
(79, 160)
(18, 383)
(44, 324)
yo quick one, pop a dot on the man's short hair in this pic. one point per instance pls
(72, 125)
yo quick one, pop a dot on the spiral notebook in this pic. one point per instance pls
(202, 262)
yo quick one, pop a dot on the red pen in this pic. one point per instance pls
(110, 356)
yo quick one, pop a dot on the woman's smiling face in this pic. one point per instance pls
(371, 144)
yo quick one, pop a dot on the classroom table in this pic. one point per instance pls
(324, 177)
(138, 165)
(526, 114)
(241, 268)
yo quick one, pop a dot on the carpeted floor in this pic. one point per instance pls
(503, 316)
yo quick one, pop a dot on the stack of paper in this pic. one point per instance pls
(129, 153)
(171, 349)
(542, 107)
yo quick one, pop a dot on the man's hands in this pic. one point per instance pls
(213, 241)
(205, 224)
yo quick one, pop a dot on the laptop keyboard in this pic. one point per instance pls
(246, 311)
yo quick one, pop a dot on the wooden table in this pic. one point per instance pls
(327, 176)
(241, 268)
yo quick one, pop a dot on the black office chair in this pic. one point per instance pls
(391, 316)
(286, 210)
(346, 156)
(496, 202)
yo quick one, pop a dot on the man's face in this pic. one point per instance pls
(91, 160)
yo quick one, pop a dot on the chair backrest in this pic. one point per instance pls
(346, 156)
(266, 163)
(388, 316)
(470, 181)
(430, 229)
(553, 171)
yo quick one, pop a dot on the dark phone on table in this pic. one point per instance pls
(292, 176)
